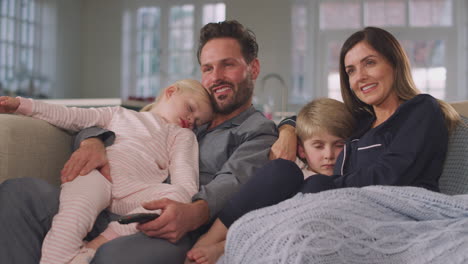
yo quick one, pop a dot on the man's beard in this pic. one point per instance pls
(239, 98)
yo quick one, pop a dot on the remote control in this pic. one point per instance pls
(139, 218)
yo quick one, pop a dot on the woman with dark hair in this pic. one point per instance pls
(401, 137)
(403, 86)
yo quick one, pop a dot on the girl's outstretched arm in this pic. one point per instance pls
(70, 118)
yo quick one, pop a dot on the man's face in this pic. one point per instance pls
(226, 74)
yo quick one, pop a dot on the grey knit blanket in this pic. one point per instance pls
(374, 224)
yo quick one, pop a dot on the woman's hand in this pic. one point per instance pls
(89, 156)
(8, 104)
(286, 145)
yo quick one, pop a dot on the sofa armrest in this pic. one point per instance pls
(32, 148)
(454, 178)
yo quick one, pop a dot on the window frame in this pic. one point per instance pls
(455, 38)
(25, 79)
(129, 56)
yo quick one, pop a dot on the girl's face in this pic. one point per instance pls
(321, 152)
(184, 108)
(371, 76)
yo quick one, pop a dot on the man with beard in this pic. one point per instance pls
(232, 146)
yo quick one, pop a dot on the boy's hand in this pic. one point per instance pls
(8, 104)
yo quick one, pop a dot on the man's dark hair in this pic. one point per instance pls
(230, 29)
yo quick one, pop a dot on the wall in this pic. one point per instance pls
(270, 21)
(82, 47)
(88, 50)
(61, 47)
(89, 37)
(101, 48)
(102, 37)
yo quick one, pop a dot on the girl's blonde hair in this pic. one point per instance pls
(185, 85)
(389, 47)
(324, 115)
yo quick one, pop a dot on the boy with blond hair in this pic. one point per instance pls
(322, 127)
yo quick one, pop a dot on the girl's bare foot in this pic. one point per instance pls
(208, 254)
(84, 256)
(88, 251)
(209, 246)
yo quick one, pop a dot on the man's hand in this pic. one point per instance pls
(89, 156)
(8, 104)
(286, 145)
(176, 218)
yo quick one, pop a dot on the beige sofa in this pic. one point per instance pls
(33, 148)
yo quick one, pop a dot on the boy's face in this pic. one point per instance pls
(321, 152)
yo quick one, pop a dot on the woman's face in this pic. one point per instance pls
(371, 76)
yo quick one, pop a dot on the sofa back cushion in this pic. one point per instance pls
(454, 178)
(32, 148)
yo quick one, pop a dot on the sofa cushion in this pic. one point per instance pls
(454, 178)
(32, 148)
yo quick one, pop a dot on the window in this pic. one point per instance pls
(430, 31)
(385, 13)
(181, 42)
(340, 14)
(19, 49)
(165, 47)
(299, 53)
(148, 47)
